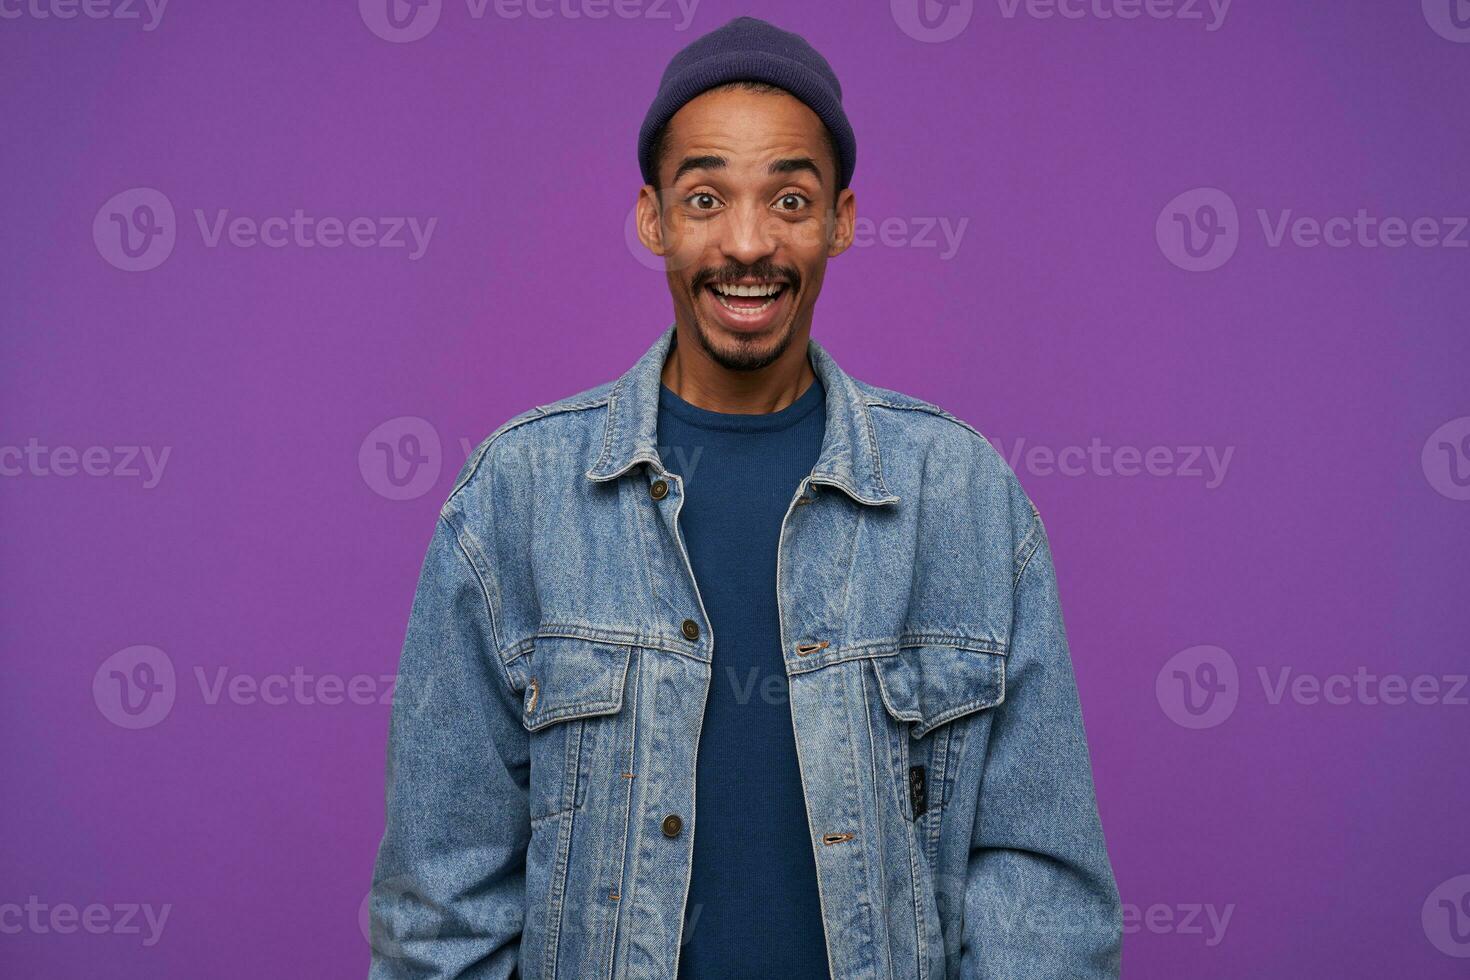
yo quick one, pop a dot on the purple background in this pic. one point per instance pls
(265, 548)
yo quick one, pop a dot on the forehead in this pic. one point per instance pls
(745, 127)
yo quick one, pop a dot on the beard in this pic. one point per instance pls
(744, 354)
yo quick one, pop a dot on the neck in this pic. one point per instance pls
(692, 374)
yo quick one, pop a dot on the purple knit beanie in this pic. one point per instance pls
(750, 48)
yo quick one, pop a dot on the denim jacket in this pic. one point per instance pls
(540, 789)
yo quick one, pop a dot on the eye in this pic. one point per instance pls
(702, 201)
(784, 202)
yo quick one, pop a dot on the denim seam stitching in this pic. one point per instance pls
(870, 433)
(593, 707)
(878, 807)
(557, 897)
(485, 595)
(882, 649)
(854, 760)
(473, 466)
(1028, 546)
(644, 548)
(812, 840)
(628, 835)
(921, 727)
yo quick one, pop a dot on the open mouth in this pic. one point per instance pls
(747, 300)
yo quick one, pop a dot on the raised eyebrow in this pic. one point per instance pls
(707, 162)
(712, 161)
(796, 165)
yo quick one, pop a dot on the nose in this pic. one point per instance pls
(750, 235)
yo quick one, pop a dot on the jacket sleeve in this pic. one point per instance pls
(448, 893)
(1040, 900)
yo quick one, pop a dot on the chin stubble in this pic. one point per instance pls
(745, 358)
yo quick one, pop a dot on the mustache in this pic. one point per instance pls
(734, 273)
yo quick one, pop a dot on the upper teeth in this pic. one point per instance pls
(765, 289)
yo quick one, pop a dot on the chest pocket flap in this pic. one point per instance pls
(572, 677)
(935, 683)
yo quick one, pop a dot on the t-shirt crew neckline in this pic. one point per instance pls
(705, 418)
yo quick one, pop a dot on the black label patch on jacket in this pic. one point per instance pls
(918, 790)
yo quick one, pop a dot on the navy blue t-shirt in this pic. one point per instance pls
(753, 910)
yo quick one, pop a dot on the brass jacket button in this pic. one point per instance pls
(691, 629)
(672, 824)
(659, 489)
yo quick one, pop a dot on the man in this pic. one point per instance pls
(824, 610)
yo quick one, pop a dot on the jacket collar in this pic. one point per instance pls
(849, 459)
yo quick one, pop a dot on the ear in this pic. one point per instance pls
(649, 221)
(844, 218)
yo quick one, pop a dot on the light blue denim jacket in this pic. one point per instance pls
(553, 683)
